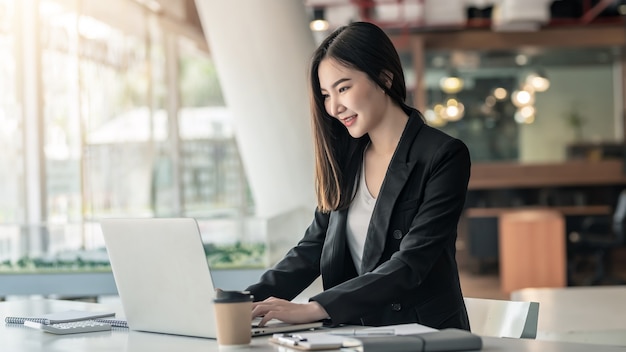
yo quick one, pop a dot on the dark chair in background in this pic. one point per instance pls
(597, 237)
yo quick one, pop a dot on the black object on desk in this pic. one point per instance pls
(443, 340)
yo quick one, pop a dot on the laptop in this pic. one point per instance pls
(163, 278)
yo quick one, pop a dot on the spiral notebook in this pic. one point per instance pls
(60, 317)
(118, 323)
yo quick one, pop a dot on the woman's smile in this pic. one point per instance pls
(349, 121)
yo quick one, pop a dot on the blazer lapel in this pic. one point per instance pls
(397, 175)
(333, 252)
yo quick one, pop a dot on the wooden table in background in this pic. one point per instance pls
(532, 246)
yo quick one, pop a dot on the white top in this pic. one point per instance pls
(359, 216)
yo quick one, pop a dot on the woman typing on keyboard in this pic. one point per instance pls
(390, 191)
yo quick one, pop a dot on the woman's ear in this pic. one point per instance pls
(387, 77)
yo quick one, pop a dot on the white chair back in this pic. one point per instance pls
(500, 318)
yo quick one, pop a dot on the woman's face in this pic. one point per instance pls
(351, 97)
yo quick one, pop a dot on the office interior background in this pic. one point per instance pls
(151, 108)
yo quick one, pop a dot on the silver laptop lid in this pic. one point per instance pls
(162, 275)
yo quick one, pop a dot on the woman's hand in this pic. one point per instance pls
(288, 312)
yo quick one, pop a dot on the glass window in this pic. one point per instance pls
(62, 133)
(503, 117)
(214, 185)
(110, 102)
(11, 158)
(120, 126)
(213, 179)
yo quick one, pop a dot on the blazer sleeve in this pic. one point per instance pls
(432, 231)
(299, 268)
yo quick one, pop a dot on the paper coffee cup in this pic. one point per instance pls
(233, 311)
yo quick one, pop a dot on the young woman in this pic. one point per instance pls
(390, 191)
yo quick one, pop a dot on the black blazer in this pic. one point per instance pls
(409, 271)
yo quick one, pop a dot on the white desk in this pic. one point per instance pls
(580, 314)
(19, 338)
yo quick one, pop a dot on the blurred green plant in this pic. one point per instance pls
(575, 120)
(238, 255)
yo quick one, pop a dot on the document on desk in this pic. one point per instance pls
(402, 329)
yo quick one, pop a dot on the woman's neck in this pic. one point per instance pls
(384, 139)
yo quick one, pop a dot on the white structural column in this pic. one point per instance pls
(261, 51)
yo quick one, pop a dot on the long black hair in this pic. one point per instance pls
(365, 47)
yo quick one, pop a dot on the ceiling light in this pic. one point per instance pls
(451, 83)
(522, 98)
(525, 115)
(527, 111)
(440, 111)
(319, 23)
(500, 93)
(454, 110)
(521, 59)
(434, 119)
(538, 81)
